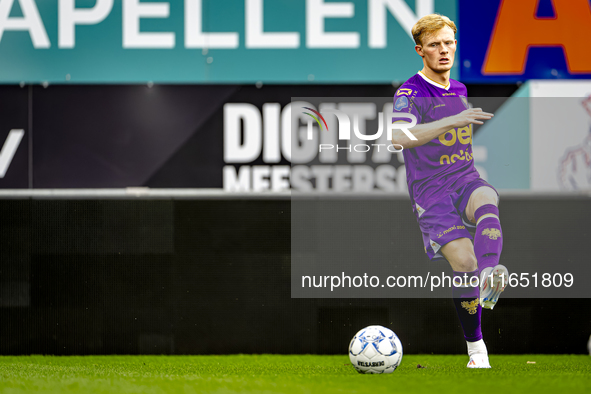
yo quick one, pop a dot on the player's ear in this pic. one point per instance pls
(419, 50)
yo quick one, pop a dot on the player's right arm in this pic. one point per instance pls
(427, 131)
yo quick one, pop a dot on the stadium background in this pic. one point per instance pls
(93, 262)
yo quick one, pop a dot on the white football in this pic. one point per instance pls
(375, 349)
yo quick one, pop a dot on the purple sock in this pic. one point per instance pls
(488, 240)
(467, 301)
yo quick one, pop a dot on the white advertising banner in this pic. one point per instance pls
(560, 135)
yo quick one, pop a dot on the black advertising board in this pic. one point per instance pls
(158, 136)
(14, 137)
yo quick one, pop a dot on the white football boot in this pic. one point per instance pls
(479, 361)
(478, 355)
(491, 288)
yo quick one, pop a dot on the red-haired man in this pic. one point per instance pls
(448, 196)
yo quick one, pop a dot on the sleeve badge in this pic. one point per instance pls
(401, 103)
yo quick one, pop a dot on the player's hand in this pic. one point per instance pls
(472, 115)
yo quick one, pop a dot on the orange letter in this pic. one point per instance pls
(517, 29)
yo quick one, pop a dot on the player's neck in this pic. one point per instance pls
(440, 78)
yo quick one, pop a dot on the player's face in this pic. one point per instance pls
(438, 50)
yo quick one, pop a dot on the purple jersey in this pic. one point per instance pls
(444, 164)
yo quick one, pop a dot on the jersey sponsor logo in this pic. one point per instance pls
(404, 92)
(401, 103)
(446, 159)
(462, 134)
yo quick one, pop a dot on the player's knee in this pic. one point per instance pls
(486, 195)
(480, 197)
(466, 263)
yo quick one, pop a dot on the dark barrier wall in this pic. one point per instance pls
(213, 276)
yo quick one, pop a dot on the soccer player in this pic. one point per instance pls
(447, 194)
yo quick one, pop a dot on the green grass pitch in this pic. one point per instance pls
(289, 374)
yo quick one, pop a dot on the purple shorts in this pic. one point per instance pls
(446, 220)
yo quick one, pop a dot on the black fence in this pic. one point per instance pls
(206, 276)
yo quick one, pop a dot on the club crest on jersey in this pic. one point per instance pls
(464, 101)
(401, 103)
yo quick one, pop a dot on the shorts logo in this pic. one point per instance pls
(404, 92)
(493, 233)
(452, 228)
(435, 246)
(470, 306)
(420, 210)
(401, 103)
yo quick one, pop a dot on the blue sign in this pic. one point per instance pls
(517, 40)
